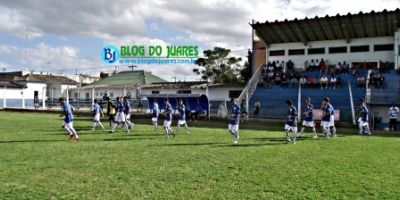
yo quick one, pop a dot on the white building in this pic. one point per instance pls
(20, 89)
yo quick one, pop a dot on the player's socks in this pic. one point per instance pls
(187, 129)
(177, 129)
(334, 131)
(287, 136)
(101, 125)
(294, 135)
(367, 131)
(326, 132)
(114, 125)
(301, 132)
(314, 133)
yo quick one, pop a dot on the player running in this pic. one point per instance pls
(127, 112)
(168, 119)
(68, 120)
(233, 126)
(120, 117)
(154, 114)
(182, 117)
(97, 112)
(327, 113)
(308, 120)
(363, 118)
(291, 121)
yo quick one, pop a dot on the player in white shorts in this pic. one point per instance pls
(363, 118)
(182, 117)
(327, 112)
(68, 119)
(308, 120)
(120, 117)
(97, 112)
(168, 119)
(155, 111)
(291, 122)
(233, 126)
(127, 112)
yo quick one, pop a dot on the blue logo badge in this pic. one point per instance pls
(110, 54)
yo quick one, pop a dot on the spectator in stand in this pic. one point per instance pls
(323, 67)
(316, 82)
(270, 67)
(317, 65)
(360, 81)
(381, 81)
(311, 65)
(283, 65)
(323, 82)
(278, 79)
(344, 68)
(274, 65)
(303, 81)
(338, 81)
(333, 82)
(310, 81)
(285, 81)
(354, 72)
(294, 81)
(290, 65)
(339, 68)
(393, 115)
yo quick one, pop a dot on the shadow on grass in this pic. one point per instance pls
(127, 139)
(30, 141)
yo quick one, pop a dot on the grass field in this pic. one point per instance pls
(38, 162)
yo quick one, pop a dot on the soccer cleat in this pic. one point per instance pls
(187, 132)
(235, 142)
(111, 132)
(71, 137)
(315, 137)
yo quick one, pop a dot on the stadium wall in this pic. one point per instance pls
(334, 58)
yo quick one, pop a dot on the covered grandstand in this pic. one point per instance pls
(337, 56)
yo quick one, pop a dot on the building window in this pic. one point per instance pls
(277, 53)
(234, 93)
(101, 94)
(316, 51)
(383, 47)
(296, 52)
(87, 95)
(184, 92)
(337, 49)
(111, 94)
(75, 95)
(155, 92)
(96, 94)
(356, 49)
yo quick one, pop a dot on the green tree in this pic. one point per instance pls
(246, 72)
(218, 67)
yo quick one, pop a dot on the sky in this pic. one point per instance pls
(61, 36)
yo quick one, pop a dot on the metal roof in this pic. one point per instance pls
(338, 27)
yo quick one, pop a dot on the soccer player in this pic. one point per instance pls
(154, 114)
(291, 121)
(111, 112)
(96, 110)
(363, 118)
(332, 122)
(233, 126)
(168, 119)
(127, 112)
(68, 120)
(120, 117)
(327, 111)
(393, 115)
(182, 117)
(308, 118)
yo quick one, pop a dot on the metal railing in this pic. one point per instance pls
(250, 87)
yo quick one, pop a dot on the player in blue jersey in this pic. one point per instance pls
(233, 126)
(155, 111)
(182, 117)
(363, 118)
(127, 112)
(327, 113)
(167, 119)
(291, 121)
(120, 116)
(97, 112)
(308, 120)
(68, 119)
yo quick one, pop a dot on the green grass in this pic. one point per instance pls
(38, 162)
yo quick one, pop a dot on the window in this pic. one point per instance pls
(111, 94)
(356, 49)
(277, 53)
(87, 95)
(383, 47)
(155, 92)
(75, 95)
(296, 51)
(96, 94)
(101, 94)
(234, 93)
(184, 92)
(337, 49)
(316, 51)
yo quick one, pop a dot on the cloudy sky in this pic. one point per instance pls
(62, 36)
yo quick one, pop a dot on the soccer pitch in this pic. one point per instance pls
(38, 162)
